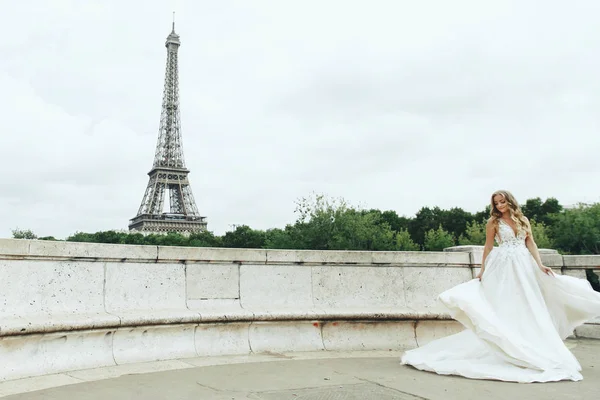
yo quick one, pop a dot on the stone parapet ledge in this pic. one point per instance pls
(51, 353)
(67, 306)
(457, 256)
(82, 322)
(23, 249)
(582, 261)
(74, 251)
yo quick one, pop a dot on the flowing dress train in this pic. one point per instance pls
(516, 319)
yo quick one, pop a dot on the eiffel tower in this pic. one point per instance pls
(168, 172)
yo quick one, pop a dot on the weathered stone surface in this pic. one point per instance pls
(412, 258)
(220, 310)
(154, 343)
(425, 259)
(331, 257)
(349, 314)
(342, 287)
(475, 253)
(463, 248)
(34, 355)
(590, 330)
(427, 331)
(268, 287)
(35, 287)
(41, 296)
(207, 302)
(285, 336)
(368, 335)
(377, 313)
(9, 248)
(41, 323)
(392, 258)
(423, 285)
(207, 254)
(576, 273)
(213, 281)
(552, 260)
(48, 248)
(582, 261)
(147, 293)
(132, 287)
(222, 339)
(287, 314)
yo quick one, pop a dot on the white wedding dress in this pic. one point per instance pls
(516, 318)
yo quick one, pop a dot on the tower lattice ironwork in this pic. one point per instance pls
(168, 173)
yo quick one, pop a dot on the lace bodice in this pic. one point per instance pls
(506, 235)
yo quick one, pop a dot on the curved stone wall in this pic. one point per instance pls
(67, 306)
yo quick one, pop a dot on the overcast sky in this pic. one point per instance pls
(388, 104)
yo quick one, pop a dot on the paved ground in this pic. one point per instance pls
(300, 376)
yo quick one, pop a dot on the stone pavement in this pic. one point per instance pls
(302, 376)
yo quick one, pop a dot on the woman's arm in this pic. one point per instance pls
(490, 234)
(533, 249)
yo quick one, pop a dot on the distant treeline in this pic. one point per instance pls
(332, 224)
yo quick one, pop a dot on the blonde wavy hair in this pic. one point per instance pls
(514, 211)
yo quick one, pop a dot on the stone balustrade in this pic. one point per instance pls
(67, 306)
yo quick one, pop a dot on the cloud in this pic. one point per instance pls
(394, 106)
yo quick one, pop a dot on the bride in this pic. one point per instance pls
(517, 311)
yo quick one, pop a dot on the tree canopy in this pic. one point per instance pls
(323, 223)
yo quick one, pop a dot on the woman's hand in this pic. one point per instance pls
(546, 270)
(480, 274)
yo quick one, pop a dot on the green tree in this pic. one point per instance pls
(455, 221)
(170, 239)
(425, 220)
(317, 221)
(327, 224)
(540, 233)
(532, 208)
(135, 238)
(396, 222)
(23, 234)
(103, 237)
(81, 237)
(577, 230)
(244, 237)
(474, 234)
(52, 238)
(404, 242)
(583, 224)
(551, 206)
(359, 231)
(110, 237)
(332, 224)
(438, 239)
(283, 238)
(540, 211)
(205, 239)
(483, 216)
(198, 239)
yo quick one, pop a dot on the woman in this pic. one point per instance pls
(517, 312)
